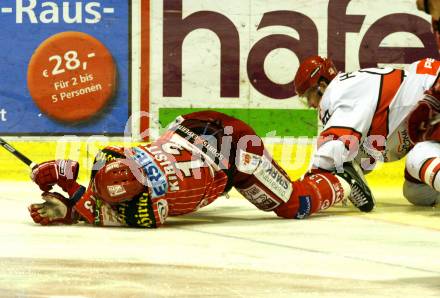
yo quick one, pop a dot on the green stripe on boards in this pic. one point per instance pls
(266, 122)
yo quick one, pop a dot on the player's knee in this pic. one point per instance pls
(417, 157)
(420, 194)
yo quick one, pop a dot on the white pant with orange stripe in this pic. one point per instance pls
(423, 164)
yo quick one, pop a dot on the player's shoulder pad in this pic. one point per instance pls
(346, 89)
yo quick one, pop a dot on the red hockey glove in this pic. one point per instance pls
(61, 172)
(55, 210)
(422, 123)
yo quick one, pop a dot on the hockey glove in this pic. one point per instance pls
(61, 172)
(422, 123)
(55, 210)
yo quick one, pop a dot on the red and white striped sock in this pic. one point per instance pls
(429, 172)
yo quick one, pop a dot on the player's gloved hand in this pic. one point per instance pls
(61, 172)
(423, 120)
(55, 210)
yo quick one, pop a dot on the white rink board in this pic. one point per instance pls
(201, 48)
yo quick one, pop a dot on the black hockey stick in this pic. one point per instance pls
(17, 154)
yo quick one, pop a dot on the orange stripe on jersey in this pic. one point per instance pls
(389, 85)
(347, 135)
(428, 66)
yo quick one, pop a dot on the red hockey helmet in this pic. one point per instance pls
(311, 71)
(119, 180)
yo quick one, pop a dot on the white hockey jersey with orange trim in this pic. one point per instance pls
(364, 114)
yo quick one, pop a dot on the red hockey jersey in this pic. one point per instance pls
(181, 179)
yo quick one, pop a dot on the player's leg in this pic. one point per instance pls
(230, 136)
(258, 177)
(422, 179)
(420, 194)
(263, 182)
(250, 168)
(269, 188)
(312, 194)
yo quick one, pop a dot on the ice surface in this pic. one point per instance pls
(228, 249)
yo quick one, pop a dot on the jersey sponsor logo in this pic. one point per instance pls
(428, 66)
(205, 145)
(137, 212)
(325, 204)
(339, 192)
(162, 210)
(404, 142)
(274, 179)
(261, 199)
(305, 207)
(164, 161)
(248, 162)
(156, 178)
(86, 207)
(142, 213)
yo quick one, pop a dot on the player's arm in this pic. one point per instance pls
(423, 121)
(63, 173)
(80, 204)
(340, 139)
(88, 207)
(56, 209)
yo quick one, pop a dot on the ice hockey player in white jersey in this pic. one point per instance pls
(365, 116)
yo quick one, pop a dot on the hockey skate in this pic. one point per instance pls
(360, 195)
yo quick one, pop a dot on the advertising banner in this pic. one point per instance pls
(240, 57)
(64, 67)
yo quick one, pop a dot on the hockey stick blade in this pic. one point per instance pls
(17, 154)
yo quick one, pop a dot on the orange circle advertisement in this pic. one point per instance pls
(71, 76)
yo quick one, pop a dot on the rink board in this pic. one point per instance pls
(293, 156)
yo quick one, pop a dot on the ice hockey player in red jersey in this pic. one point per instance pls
(200, 157)
(374, 115)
